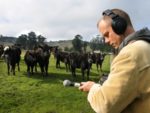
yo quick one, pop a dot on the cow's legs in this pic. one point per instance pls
(82, 70)
(46, 70)
(28, 70)
(18, 66)
(8, 68)
(101, 66)
(32, 69)
(88, 72)
(42, 70)
(35, 67)
(66, 67)
(57, 63)
(73, 73)
(13, 69)
(97, 67)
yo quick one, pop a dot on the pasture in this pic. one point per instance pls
(35, 94)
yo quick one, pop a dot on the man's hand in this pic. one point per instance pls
(86, 86)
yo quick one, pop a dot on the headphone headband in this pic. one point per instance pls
(109, 12)
(119, 24)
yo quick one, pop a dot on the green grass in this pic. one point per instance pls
(35, 94)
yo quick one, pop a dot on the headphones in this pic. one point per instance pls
(119, 24)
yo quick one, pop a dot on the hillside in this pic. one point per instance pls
(62, 43)
(5, 40)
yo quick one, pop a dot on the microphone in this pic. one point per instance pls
(70, 83)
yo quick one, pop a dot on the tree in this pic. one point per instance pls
(97, 43)
(85, 44)
(32, 39)
(40, 39)
(22, 40)
(77, 43)
(66, 48)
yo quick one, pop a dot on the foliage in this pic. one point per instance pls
(30, 40)
(35, 94)
(85, 44)
(97, 43)
(22, 39)
(66, 49)
(40, 39)
(77, 43)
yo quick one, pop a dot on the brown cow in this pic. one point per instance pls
(31, 61)
(64, 57)
(43, 55)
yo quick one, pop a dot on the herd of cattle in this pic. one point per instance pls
(41, 54)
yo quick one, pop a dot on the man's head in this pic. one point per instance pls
(115, 25)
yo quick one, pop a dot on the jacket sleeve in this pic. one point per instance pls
(119, 89)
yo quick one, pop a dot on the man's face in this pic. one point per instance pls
(109, 35)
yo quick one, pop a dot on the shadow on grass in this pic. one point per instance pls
(50, 78)
(56, 77)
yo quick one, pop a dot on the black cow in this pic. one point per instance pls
(1, 50)
(55, 51)
(63, 57)
(43, 55)
(30, 59)
(98, 59)
(12, 57)
(80, 61)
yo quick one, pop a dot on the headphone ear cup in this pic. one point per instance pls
(119, 25)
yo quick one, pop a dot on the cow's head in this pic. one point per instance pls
(6, 48)
(6, 51)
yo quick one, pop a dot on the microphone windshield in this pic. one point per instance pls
(66, 82)
(69, 83)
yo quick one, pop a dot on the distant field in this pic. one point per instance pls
(35, 94)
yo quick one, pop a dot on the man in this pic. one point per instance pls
(127, 89)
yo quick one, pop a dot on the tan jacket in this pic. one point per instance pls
(127, 89)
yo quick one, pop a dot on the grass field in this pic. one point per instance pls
(35, 94)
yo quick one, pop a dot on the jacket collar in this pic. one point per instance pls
(143, 34)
